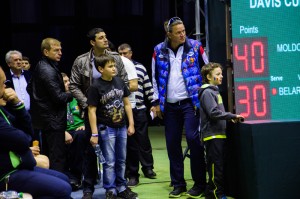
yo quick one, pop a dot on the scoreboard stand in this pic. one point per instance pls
(263, 72)
(264, 160)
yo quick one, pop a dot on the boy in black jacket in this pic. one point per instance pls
(213, 127)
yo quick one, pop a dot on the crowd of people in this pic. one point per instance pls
(50, 123)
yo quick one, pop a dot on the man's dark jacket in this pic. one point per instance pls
(48, 99)
(26, 74)
(15, 136)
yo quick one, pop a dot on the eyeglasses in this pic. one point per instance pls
(172, 20)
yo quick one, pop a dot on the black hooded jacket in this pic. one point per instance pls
(212, 113)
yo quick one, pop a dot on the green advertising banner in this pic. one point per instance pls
(266, 58)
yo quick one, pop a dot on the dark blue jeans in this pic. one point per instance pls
(40, 183)
(113, 145)
(176, 116)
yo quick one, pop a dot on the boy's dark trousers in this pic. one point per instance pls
(215, 156)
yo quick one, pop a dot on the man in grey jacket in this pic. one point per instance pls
(83, 71)
(82, 74)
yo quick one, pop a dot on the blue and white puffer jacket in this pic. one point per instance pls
(193, 58)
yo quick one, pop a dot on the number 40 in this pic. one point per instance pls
(255, 47)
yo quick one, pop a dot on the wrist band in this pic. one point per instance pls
(18, 104)
(94, 135)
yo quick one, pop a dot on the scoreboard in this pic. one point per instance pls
(266, 58)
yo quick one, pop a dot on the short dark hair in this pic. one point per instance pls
(102, 60)
(64, 74)
(207, 69)
(46, 43)
(25, 58)
(124, 46)
(91, 35)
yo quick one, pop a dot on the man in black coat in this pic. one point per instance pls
(48, 101)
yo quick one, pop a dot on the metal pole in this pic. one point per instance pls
(206, 28)
(229, 57)
(197, 20)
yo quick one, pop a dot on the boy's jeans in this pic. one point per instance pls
(113, 145)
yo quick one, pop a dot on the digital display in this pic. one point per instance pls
(266, 58)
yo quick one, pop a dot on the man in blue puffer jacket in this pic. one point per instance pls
(176, 65)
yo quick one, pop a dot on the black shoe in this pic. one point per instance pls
(195, 192)
(132, 182)
(75, 184)
(110, 195)
(127, 194)
(149, 173)
(87, 195)
(177, 192)
(131, 192)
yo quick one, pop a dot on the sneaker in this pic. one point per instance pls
(127, 194)
(110, 195)
(87, 195)
(195, 192)
(149, 173)
(177, 192)
(132, 182)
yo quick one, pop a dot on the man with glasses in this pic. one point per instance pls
(176, 76)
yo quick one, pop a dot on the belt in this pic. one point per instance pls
(180, 102)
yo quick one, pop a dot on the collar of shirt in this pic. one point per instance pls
(13, 75)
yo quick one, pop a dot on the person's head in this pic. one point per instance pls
(51, 48)
(98, 39)
(25, 63)
(175, 31)
(212, 73)
(106, 65)
(2, 82)
(13, 59)
(125, 50)
(66, 81)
